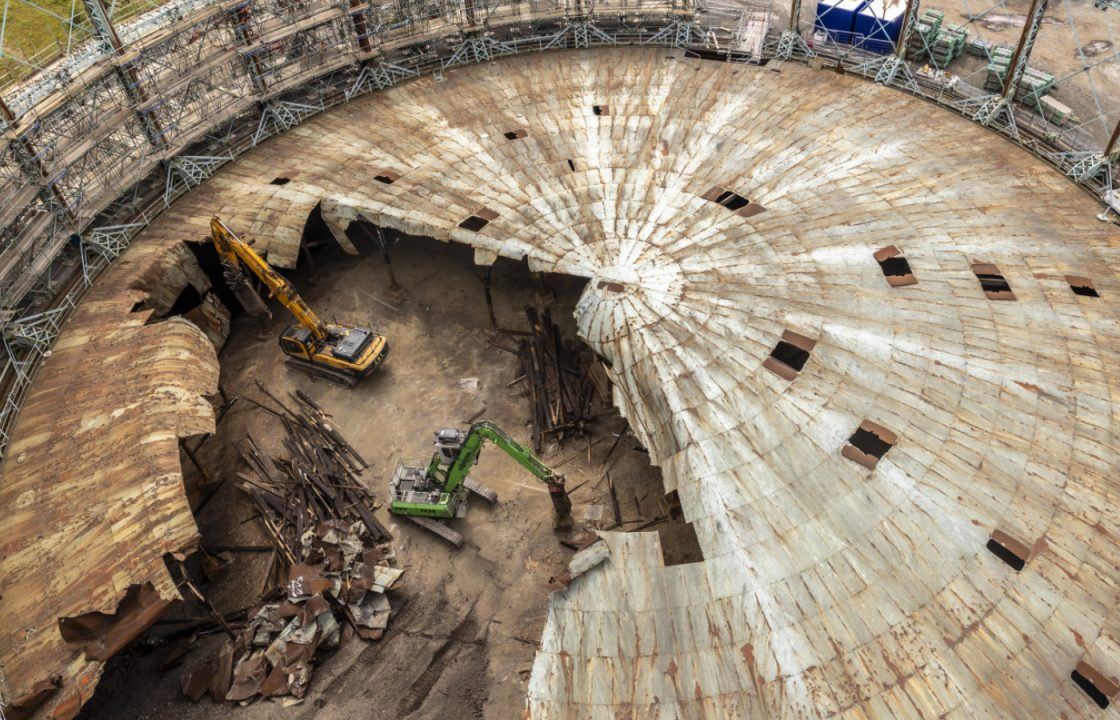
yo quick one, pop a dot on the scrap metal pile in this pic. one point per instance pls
(562, 394)
(331, 562)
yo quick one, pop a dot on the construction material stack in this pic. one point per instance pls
(1032, 85)
(922, 39)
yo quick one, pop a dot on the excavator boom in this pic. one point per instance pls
(439, 490)
(237, 254)
(335, 352)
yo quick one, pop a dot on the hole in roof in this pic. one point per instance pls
(600, 109)
(789, 354)
(1017, 563)
(732, 200)
(1082, 286)
(895, 267)
(994, 285)
(679, 544)
(280, 181)
(1090, 689)
(514, 134)
(387, 179)
(572, 164)
(869, 443)
(474, 223)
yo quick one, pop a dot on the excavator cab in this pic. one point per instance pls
(339, 353)
(296, 342)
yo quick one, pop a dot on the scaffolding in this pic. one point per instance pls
(100, 141)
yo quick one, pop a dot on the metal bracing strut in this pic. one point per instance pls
(1094, 164)
(896, 61)
(126, 74)
(998, 107)
(791, 43)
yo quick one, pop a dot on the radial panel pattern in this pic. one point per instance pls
(859, 335)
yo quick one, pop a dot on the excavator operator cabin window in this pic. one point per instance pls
(291, 346)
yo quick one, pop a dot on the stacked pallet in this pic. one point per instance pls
(1033, 86)
(924, 35)
(935, 41)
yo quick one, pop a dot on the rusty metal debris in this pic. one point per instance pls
(561, 394)
(331, 564)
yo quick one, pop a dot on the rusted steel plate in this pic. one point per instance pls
(91, 497)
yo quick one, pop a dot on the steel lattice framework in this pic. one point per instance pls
(99, 141)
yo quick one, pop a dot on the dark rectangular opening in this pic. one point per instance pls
(571, 164)
(1082, 286)
(869, 443)
(679, 544)
(600, 109)
(514, 134)
(384, 179)
(992, 282)
(474, 223)
(188, 300)
(280, 181)
(732, 201)
(790, 355)
(1090, 689)
(895, 267)
(1017, 563)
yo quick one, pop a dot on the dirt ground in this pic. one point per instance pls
(1078, 43)
(465, 623)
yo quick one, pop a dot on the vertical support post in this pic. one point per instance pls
(909, 20)
(486, 275)
(890, 66)
(1111, 150)
(795, 17)
(242, 17)
(395, 292)
(361, 29)
(31, 164)
(791, 41)
(126, 73)
(999, 106)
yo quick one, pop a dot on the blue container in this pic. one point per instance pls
(838, 18)
(879, 25)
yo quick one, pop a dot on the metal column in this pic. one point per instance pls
(896, 61)
(791, 43)
(998, 107)
(126, 74)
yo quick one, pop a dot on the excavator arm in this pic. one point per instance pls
(472, 446)
(237, 255)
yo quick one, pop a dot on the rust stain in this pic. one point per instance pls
(95, 455)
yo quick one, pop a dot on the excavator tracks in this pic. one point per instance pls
(435, 526)
(490, 495)
(336, 376)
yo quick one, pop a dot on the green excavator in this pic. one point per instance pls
(427, 495)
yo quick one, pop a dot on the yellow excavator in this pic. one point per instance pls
(336, 352)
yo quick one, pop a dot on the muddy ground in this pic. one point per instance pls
(466, 623)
